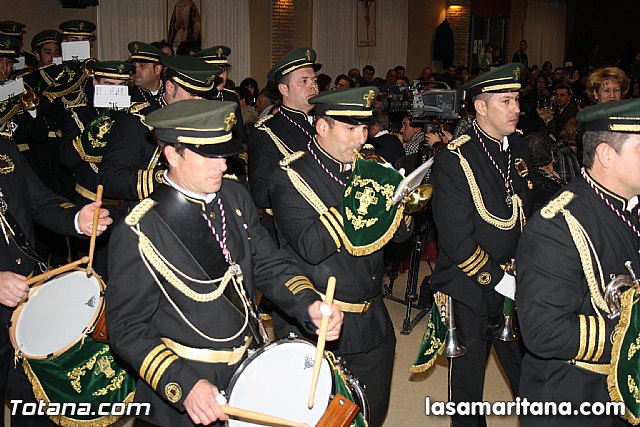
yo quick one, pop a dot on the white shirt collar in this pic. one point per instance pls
(382, 132)
(633, 202)
(505, 143)
(207, 199)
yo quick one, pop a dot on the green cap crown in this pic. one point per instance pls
(617, 116)
(192, 74)
(297, 58)
(77, 27)
(217, 55)
(144, 52)
(203, 126)
(507, 78)
(353, 106)
(45, 36)
(113, 70)
(12, 29)
(9, 47)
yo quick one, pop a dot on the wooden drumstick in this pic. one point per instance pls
(56, 271)
(322, 337)
(94, 231)
(259, 417)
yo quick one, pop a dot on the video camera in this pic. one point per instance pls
(423, 102)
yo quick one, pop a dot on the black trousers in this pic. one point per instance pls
(466, 373)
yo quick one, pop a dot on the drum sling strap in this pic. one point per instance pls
(11, 230)
(254, 324)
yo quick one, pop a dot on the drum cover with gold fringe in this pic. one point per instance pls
(370, 219)
(624, 377)
(86, 373)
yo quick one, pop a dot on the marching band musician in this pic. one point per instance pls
(480, 200)
(564, 257)
(316, 239)
(184, 267)
(23, 200)
(85, 131)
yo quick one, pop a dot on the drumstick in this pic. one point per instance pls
(322, 336)
(56, 271)
(94, 231)
(259, 417)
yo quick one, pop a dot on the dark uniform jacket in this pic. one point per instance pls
(273, 138)
(316, 241)
(139, 315)
(28, 200)
(557, 318)
(142, 95)
(131, 158)
(472, 250)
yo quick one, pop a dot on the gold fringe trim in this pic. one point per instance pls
(54, 95)
(418, 369)
(40, 394)
(77, 144)
(381, 241)
(626, 304)
(488, 217)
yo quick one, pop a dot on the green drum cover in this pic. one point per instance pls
(433, 340)
(86, 373)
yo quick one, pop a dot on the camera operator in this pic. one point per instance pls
(414, 136)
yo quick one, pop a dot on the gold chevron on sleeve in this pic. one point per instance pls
(472, 258)
(150, 357)
(160, 371)
(157, 361)
(338, 216)
(602, 337)
(298, 283)
(139, 185)
(593, 332)
(583, 337)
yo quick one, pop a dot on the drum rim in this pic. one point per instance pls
(35, 288)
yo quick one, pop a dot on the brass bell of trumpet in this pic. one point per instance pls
(29, 100)
(416, 200)
(87, 66)
(505, 330)
(452, 345)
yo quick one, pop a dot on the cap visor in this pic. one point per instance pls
(226, 149)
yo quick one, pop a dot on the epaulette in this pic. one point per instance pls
(230, 176)
(139, 211)
(291, 158)
(458, 142)
(262, 120)
(556, 205)
(368, 147)
(138, 106)
(519, 132)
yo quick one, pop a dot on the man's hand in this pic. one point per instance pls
(201, 404)
(85, 218)
(335, 321)
(13, 289)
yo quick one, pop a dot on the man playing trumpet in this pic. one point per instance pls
(480, 197)
(566, 255)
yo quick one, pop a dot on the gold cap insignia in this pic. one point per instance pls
(173, 392)
(369, 97)
(135, 48)
(121, 68)
(6, 44)
(211, 79)
(14, 28)
(308, 55)
(230, 121)
(220, 51)
(81, 26)
(516, 73)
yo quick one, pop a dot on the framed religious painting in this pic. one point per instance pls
(185, 25)
(366, 23)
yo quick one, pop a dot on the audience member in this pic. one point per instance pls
(521, 55)
(546, 181)
(607, 84)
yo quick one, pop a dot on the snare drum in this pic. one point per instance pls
(276, 380)
(50, 333)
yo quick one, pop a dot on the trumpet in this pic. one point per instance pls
(452, 345)
(26, 70)
(29, 100)
(615, 287)
(506, 329)
(87, 66)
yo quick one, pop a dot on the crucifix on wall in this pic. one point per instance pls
(366, 23)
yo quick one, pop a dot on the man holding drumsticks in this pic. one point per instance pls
(184, 267)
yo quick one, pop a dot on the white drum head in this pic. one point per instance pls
(277, 381)
(57, 314)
